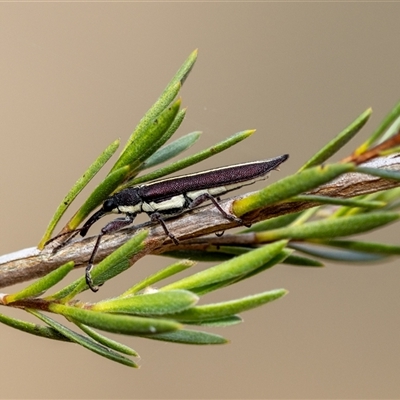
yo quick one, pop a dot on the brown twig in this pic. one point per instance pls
(189, 228)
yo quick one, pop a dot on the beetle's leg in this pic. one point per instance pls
(158, 217)
(207, 196)
(111, 227)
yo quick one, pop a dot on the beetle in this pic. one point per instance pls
(172, 196)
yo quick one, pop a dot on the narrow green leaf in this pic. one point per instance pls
(84, 341)
(389, 196)
(33, 329)
(115, 323)
(189, 337)
(391, 130)
(339, 141)
(160, 275)
(227, 308)
(290, 186)
(66, 293)
(42, 284)
(146, 124)
(331, 228)
(171, 150)
(337, 255)
(175, 124)
(202, 290)
(111, 344)
(77, 188)
(277, 259)
(386, 123)
(306, 215)
(217, 323)
(300, 261)
(341, 202)
(368, 247)
(229, 269)
(102, 191)
(157, 303)
(382, 173)
(184, 70)
(194, 159)
(158, 132)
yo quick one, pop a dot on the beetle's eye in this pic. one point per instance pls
(109, 205)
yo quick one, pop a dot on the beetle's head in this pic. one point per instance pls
(127, 201)
(110, 205)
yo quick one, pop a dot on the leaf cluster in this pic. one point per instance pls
(305, 238)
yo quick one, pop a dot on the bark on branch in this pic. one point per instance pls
(189, 228)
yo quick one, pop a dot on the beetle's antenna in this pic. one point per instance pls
(83, 231)
(94, 218)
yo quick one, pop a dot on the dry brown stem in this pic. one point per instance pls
(190, 227)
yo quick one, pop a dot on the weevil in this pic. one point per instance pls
(172, 196)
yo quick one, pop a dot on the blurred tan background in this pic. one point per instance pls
(75, 76)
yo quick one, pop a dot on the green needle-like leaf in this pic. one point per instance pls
(155, 147)
(160, 275)
(339, 141)
(230, 269)
(184, 70)
(290, 186)
(77, 188)
(123, 324)
(33, 329)
(368, 247)
(167, 96)
(331, 228)
(217, 323)
(149, 141)
(227, 308)
(382, 173)
(157, 303)
(189, 337)
(68, 292)
(84, 341)
(144, 125)
(42, 284)
(391, 131)
(386, 123)
(112, 344)
(171, 150)
(341, 202)
(296, 260)
(277, 259)
(337, 255)
(210, 287)
(390, 196)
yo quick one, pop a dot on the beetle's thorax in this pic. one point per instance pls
(127, 201)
